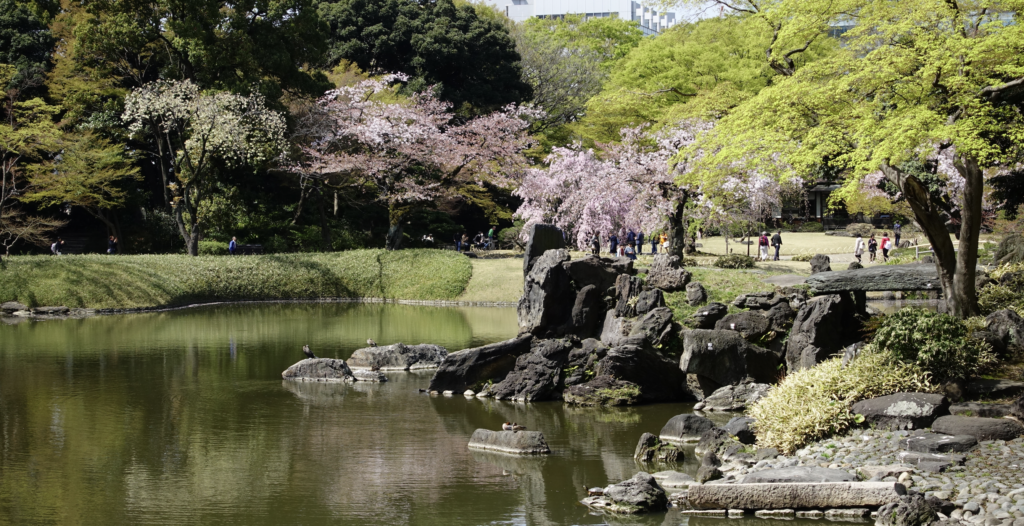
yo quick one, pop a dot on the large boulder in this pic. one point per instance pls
(542, 238)
(592, 270)
(655, 328)
(587, 311)
(615, 331)
(398, 357)
(515, 442)
(666, 273)
(1017, 409)
(707, 316)
(582, 359)
(750, 324)
(651, 449)
(710, 468)
(639, 494)
(627, 290)
(10, 307)
(471, 368)
(1008, 329)
(798, 474)
(714, 440)
(649, 300)
(780, 317)
(686, 427)
(547, 294)
(902, 410)
(909, 510)
(647, 369)
(696, 294)
(877, 278)
(742, 427)
(733, 397)
(820, 263)
(537, 374)
(823, 326)
(319, 370)
(980, 428)
(725, 358)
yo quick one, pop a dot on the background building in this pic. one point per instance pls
(651, 20)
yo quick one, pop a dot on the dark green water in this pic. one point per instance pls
(182, 418)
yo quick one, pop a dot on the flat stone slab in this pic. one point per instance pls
(932, 462)
(979, 428)
(319, 370)
(877, 278)
(514, 442)
(995, 388)
(398, 357)
(982, 410)
(816, 495)
(902, 410)
(10, 307)
(938, 443)
(50, 311)
(797, 475)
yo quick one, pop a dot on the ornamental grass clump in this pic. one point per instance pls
(815, 403)
(1005, 292)
(938, 343)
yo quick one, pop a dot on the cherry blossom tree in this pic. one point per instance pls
(408, 151)
(192, 131)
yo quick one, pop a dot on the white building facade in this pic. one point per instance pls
(651, 20)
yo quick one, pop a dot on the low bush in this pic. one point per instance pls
(734, 261)
(213, 248)
(899, 257)
(811, 226)
(816, 403)
(860, 229)
(938, 343)
(1005, 292)
(803, 257)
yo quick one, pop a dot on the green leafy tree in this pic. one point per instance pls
(25, 43)
(936, 81)
(470, 60)
(89, 172)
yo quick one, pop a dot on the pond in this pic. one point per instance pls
(182, 418)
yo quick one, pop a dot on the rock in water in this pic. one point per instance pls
(725, 358)
(602, 391)
(11, 307)
(820, 263)
(742, 427)
(685, 428)
(651, 449)
(319, 370)
(709, 468)
(537, 374)
(471, 368)
(398, 357)
(902, 410)
(515, 442)
(909, 510)
(542, 238)
(639, 494)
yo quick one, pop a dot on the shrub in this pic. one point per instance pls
(511, 237)
(899, 257)
(803, 257)
(212, 248)
(1005, 293)
(734, 261)
(861, 229)
(815, 403)
(811, 226)
(939, 343)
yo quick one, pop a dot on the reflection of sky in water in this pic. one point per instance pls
(182, 418)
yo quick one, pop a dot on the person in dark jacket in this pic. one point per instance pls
(654, 245)
(595, 245)
(777, 243)
(613, 244)
(233, 246)
(640, 242)
(630, 237)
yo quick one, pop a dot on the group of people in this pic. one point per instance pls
(57, 247)
(630, 247)
(462, 241)
(873, 245)
(763, 243)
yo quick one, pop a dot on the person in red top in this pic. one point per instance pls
(885, 246)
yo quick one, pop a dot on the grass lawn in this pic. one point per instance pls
(498, 278)
(100, 281)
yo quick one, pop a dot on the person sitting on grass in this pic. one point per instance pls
(629, 252)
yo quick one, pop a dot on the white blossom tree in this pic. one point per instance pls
(192, 131)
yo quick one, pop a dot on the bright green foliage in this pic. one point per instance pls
(815, 403)
(1005, 293)
(938, 343)
(470, 60)
(150, 281)
(610, 38)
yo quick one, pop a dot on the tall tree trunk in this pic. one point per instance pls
(677, 226)
(964, 293)
(395, 215)
(163, 172)
(929, 216)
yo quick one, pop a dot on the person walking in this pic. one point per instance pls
(640, 242)
(55, 247)
(654, 244)
(762, 245)
(490, 239)
(233, 246)
(858, 248)
(630, 237)
(897, 229)
(112, 245)
(595, 245)
(457, 239)
(872, 247)
(664, 241)
(777, 243)
(613, 244)
(885, 246)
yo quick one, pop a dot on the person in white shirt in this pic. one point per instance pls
(858, 247)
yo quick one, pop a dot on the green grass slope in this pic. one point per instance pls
(124, 282)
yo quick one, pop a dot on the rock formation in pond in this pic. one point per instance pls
(652, 449)
(640, 494)
(542, 238)
(513, 442)
(722, 357)
(398, 357)
(319, 370)
(474, 368)
(686, 427)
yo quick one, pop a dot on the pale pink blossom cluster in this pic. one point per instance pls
(410, 150)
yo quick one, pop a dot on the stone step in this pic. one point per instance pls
(938, 443)
(979, 428)
(820, 495)
(982, 410)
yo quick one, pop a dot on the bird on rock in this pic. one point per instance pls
(371, 343)
(512, 426)
(307, 352)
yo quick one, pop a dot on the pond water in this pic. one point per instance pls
(182, 418)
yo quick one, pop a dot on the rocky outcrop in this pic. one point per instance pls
(751, 325)
(602, 391)
(685, 428)
(627, 291)
(667, 273)
(367, 375)
(696, 294)
(710, 468)
(471, 368)
(908, 510)
(651, 449)
(1008, 329)
(319, 370)
(547, 292)
(902, 410)
(742, 427)
(537, 374)
(721, 358)
(820, 263)
(759, 300)
(586, 312)
(11, 307)
(648, 369)
(592, 270)
(794, 496)
(798, 474)
(708, 316)
(655, 328)
(671, 479)
(542, 238)
(649, 300)
(979, 428)
(514, 442)
(639, 494)
(822, 327)
(615, 330)
(398, 357)
(733, 397)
